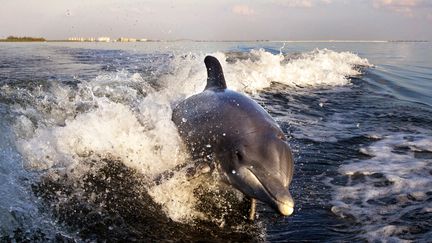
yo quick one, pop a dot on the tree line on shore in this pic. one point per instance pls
(25, 38)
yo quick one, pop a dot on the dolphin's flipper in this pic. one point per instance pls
(215, 76)
(252, 210)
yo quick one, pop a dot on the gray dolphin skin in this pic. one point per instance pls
(248, 146)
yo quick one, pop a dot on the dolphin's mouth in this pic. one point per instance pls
(286, 208)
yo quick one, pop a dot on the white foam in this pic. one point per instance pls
(398, 178)
(119, 121)
(319, 68)
(180, 201)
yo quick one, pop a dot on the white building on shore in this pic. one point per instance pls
(125, 39)
(90, 39)
(82, 39)
(103, 39)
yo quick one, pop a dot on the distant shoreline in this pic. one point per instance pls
(23, 39)
(29, 39)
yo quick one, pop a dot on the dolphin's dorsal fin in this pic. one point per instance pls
(215, 76)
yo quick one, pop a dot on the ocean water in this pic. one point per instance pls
(89, 153)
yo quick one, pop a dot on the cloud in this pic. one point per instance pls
(405, 7)
(303, 3)
(243, 10)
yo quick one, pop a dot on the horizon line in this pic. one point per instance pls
(228, 40)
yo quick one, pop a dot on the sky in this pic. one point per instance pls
(219, 19)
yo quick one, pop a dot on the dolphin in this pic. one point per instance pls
(249, 149)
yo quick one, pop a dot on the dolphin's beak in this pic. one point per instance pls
(269, 191)
(285, 204)
(286, 209)
(281, 196)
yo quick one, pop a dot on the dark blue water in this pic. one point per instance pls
(86, 127)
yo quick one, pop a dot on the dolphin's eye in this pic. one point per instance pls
(239, 155)
(281, 136)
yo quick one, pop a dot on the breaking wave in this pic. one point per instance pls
(258, 69)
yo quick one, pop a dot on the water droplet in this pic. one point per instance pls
(208, 146)
(184, 119)
(321, 104)
(234, 172)
(224, 134)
